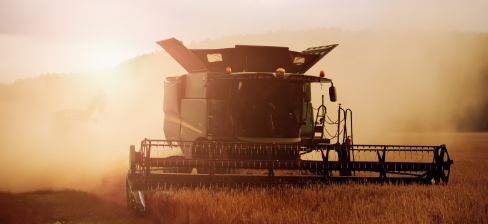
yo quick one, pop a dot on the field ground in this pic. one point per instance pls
(463, 200)
(62, 207)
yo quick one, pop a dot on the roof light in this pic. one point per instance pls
(322, 73)
(280, 73)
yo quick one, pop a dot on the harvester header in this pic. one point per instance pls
(243, 117)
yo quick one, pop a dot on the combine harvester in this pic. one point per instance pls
(243, 117)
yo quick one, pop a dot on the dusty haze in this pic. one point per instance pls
(394, 81)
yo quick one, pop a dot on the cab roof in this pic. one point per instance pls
(244, 58)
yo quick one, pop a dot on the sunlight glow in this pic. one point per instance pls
(106, 57)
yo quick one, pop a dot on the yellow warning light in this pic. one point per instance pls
(280, 73)
(322, 73)
(228, 70)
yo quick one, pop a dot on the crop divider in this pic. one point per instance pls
(381, 160)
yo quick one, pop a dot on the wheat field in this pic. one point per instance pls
(463, 200)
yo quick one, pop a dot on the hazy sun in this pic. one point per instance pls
(106, 57)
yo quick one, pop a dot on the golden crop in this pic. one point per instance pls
(463, 200)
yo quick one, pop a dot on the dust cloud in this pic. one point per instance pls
(41, 149)
(394, 82)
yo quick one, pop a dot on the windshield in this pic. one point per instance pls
(268, 108)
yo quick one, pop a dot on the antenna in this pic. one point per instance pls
(245, 70)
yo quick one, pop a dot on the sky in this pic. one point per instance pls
(60, 36)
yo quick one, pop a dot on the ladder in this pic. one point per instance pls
(318, 126)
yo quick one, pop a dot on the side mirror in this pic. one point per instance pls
(332, 93)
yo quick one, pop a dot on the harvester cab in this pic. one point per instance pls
(243, 116)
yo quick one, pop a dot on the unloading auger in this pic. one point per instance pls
(256, 128)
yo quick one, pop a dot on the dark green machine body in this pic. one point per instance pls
(240, 107)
